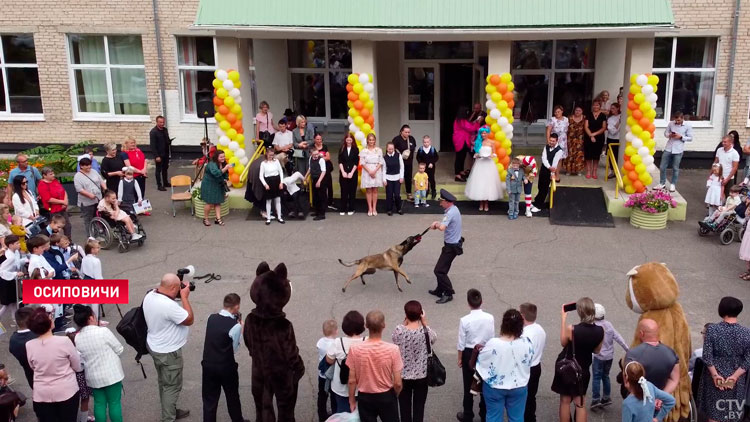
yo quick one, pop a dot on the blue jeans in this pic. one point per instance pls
(513, 401)
(601, 370)
(667, 158)
(513, 200)
(342, 403)
(420, 197)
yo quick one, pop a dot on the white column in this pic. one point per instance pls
(639, 58)
(498, 57)
(272, 75)
(363, 61)
(609, 70)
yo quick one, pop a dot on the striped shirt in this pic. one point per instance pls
(529, 165)
(373, 364)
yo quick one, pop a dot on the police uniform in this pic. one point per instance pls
(453, 246)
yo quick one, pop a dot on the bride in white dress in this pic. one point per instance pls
(484, 183)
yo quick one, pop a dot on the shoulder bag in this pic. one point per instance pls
(568, 373)
(343, 369)
(435, 368)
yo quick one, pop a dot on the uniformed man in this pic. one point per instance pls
(451, 226)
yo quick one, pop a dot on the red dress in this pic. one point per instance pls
(49, 190)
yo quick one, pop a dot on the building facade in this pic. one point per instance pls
(86, 70)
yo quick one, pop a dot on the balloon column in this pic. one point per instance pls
(227, 104)
(499, 118)
(640, 144)
(361, 101)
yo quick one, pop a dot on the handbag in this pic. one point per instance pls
(568, 373)
(435, 368)
(266, 136)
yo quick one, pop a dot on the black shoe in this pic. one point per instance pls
(606, 401)
(400, 212)
(435, 292)
(167, 185)
(461, 418)
(161, 188)
(319, 217)
(181, 414)
(444, 299)
(390, 213)
(433, 198)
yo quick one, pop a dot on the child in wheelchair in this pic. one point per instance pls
(109, 206)
(714, 220)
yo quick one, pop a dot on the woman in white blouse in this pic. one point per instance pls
(270, 177)
(24, 202)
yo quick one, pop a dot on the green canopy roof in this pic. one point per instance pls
(435, 14)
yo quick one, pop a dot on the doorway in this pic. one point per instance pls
(455, 91)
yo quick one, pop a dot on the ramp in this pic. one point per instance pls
(578, 206)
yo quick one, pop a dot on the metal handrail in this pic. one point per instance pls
(552, 189)
(611, 159)
(259, 151)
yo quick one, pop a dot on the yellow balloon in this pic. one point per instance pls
(216, 83)
(505, 77)
(370, 104)
(364, 96)
(511, 86)
(497, 97)
(510, 118)
(235, 109)
(353, 112)
(224, 125)
(219, 117)
(633, 79)
(358, 88)
(495, 127)
(359, 121)
(231, 133)
(229, 101)
(222, 93)
(489, 88)
(636, 130)
(234, 76)
(646, 106)
(504, 174)
(629, 189)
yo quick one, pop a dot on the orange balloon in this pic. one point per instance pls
(234, 178)
(240, 130)
(214, 92)
(231, 117)
(511, 103)
(352, 96)
(501, 154)
(237, 125)
(495, 79)
(644, 122)
(508, 96)
(632, 175)
(491, 135)
(628, 166)
(631, 96)
(651, 128)
(218, 101)
(637, 114)
(502, 88)
(349, 87)
(364, 113)
(370, 120)
(358, 105)
(638, 185)
(506, 161)
(223, 110)
(632, 105)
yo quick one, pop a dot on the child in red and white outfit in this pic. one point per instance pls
(528, 164)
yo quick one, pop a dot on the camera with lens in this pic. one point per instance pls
(187, 271)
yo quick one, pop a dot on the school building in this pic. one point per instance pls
(93, 70)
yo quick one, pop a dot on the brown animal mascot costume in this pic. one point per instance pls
(269, 336)
(652, 292)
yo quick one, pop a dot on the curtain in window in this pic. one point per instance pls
(91, 84)
(129, 91)
(188, 53)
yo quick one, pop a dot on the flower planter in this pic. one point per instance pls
(649, 221)
(198, 206)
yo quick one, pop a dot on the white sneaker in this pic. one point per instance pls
(342, 213)
(659, 187)
(416, 205)
(534, 209)
(426, 205)
(672, 188)
(135, 236)
(350, 213)
(528, 212)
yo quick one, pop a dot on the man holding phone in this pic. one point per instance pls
(678, 132)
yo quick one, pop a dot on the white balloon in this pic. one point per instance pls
(637, 143)
(364, 78)
(508, 129)
(234, 92)
(643, 151)
(224, 141)
(239, 153)
(238, 100)
(353, 128)
(652, 97)
(647, 89)
(220, 132)
(221, 75)
(359, 135)
(648, 160)
(490, 105)
(495, 114)
(350, 119)
(642, 80)
(651, 168)
(502, 121)
(228, 84)
(234, 146)
(629, 137)
(244, 161)
(369, 87)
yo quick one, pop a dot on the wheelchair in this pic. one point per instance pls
(108, 231)
(731, 229)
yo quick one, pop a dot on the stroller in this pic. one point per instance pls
(730, 229)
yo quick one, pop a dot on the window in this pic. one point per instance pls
(686, 67)
(108, 76)
(439, 50)
(547, 73)
(196, 64)
(19, 76)
(318, 72)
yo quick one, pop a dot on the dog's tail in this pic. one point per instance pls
(349, 264)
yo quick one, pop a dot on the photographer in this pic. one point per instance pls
(223, 332)
(168, 324)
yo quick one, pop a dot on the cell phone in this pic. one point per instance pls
(569, 307)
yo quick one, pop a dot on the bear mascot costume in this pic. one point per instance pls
(652, 292)
(269, 336)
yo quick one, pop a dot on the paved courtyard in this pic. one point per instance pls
(509, 261)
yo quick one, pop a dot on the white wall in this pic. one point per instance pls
(705, 135)
(498, 57)
(272, 75)
(609, 68)
(185, 130)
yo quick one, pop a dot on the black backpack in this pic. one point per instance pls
(568, 373)
(343, 369)
(133, 329)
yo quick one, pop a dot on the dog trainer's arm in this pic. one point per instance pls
(437, 225)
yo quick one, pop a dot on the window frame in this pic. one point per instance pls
(748, 113)
(550, 74)
(107, 67)
(8, 115)
(184, 117)
(325, 71)
(670, 71)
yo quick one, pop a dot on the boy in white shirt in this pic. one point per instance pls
(330, 332)
(474, 329)
(538, 337)
(10, 269)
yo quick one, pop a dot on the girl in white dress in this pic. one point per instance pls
(484, 183)
(714, 189)
(371, 160)
(559, 124)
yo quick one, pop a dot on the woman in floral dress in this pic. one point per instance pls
(559, 124)
(573, 164)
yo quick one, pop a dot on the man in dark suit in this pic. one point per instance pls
(159, 137)
(18, 340)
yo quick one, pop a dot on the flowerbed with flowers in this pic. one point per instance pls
(8, 164)
(653, 201)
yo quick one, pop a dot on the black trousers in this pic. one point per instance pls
(374, 405)
(348, 193)
(393, 195)
(295, 202)
(443, 266)
(61, 411)
(431, 179)
(88, 212)
(323, 397)
(458, 165)
(215, 378)
(411, 400)
(141, 184)
(615, 149)
(161, 172)
(543, 187)
(328, 181)
(408, 169)
(468, 375)
(320, 198)
(529, 414)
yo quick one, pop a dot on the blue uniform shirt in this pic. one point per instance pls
(452, 222)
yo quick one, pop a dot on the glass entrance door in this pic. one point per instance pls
(421, 110)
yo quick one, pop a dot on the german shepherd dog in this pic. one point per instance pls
(388, 260)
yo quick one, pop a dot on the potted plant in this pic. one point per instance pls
(199, 205)
(650, 209)
(63, 160)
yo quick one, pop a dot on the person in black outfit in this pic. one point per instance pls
(160, 142)
(18, 340)
(394, 176)
(405, 142)
(318, 173)
(428, 155)
(551, 155)
(111, 166)
(348, 177)
(223, 333)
